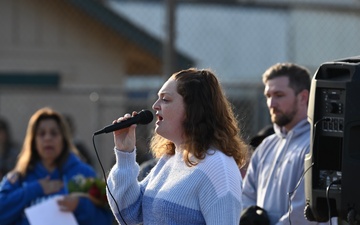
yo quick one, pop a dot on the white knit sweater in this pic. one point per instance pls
(174, 193)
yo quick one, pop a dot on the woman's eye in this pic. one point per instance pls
(41, 133)
(54, 133)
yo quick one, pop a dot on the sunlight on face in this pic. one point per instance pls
(281, 101)
(170, 112)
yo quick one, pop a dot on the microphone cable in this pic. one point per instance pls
(328, 198)
(303, 174)
(296, 187)
(105, 179)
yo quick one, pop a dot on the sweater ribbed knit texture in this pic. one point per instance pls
(174, 193)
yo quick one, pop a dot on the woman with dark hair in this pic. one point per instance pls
(8, 149)
(197, 179)
(47, 159)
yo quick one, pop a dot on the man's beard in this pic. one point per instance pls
(284, 118)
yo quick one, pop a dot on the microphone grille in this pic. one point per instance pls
(146, 116)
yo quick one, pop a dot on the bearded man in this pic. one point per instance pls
(273, 181)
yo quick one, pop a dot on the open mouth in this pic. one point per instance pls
(160, 118)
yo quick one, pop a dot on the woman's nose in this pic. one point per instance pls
(155, 106)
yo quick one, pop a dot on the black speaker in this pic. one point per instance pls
(332, 182)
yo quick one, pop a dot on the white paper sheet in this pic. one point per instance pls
(48, 212)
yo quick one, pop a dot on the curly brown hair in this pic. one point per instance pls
(209, 119)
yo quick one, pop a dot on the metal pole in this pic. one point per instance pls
(168, 52)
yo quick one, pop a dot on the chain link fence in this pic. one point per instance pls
(106, 57)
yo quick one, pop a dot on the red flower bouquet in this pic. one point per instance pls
(89, 187)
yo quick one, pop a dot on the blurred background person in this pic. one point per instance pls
(46, 162)
(79, 144)
(256, 141)
(9, 150)
(277, 164)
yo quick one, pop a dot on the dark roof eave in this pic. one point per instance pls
(124, 27)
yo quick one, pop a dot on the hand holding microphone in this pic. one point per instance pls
(142, 117)
(125, 138)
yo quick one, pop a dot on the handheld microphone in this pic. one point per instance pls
(144, 117)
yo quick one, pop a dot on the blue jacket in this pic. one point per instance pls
(16, 196)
